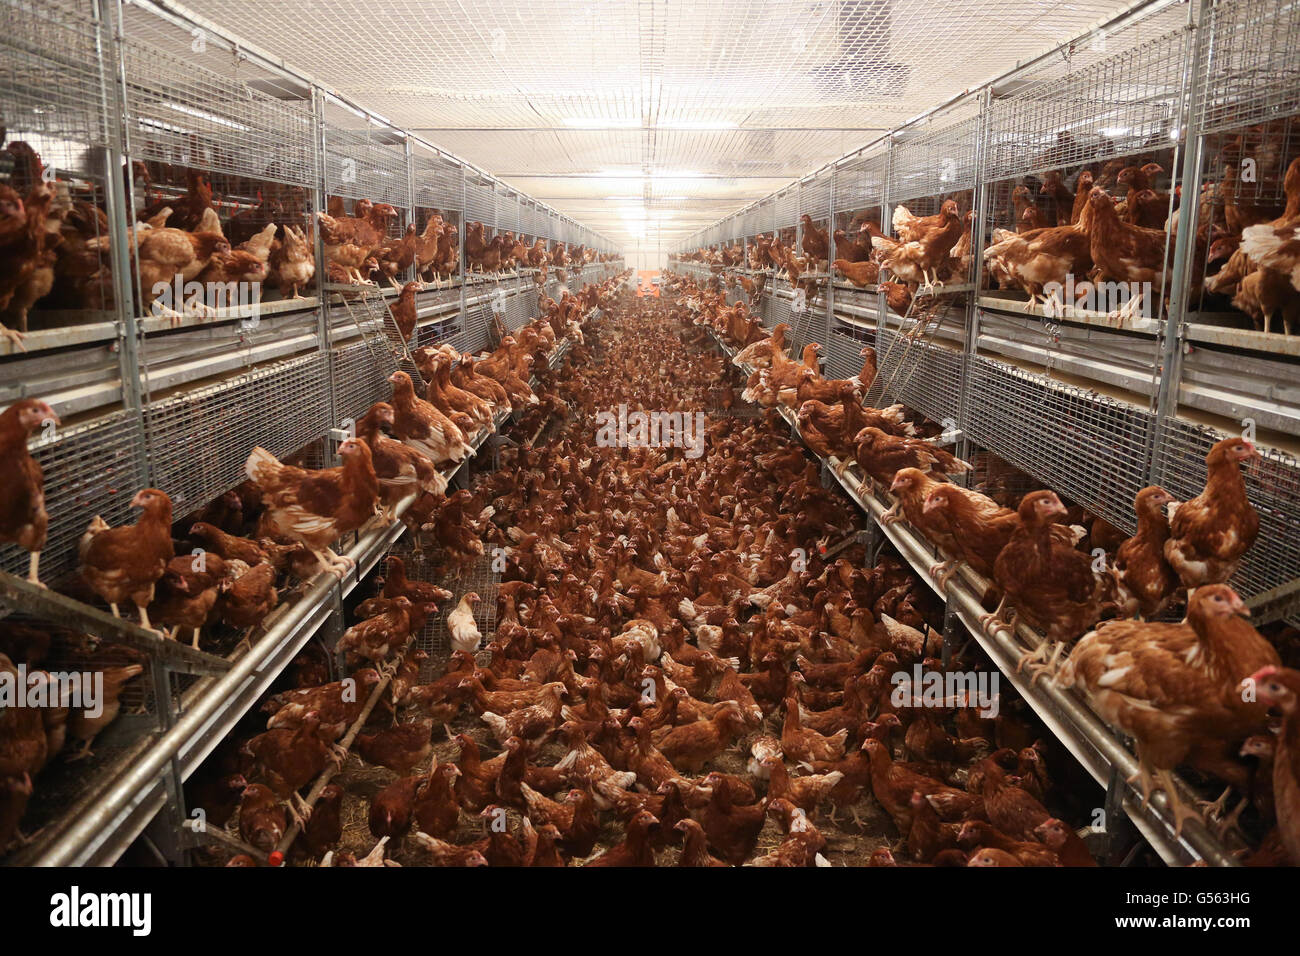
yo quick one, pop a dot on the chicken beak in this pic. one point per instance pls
(138, 501)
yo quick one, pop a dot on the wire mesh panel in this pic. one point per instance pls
(1090, 448)
(437, 182)
(518, 311)
(860, 189)
(1250, 111)
(1126, 103)
(359, 379)
(920, 374)
(180, 114)
(539, 224)
(53, 126)
(367, 163)
(934, 161)
(785, 209)
(474, 332)
(90, 469)
(508, 211)
(764, 217)
(280, 407)
(1250, 70)
(842, 356)
(52, 93)
(777, 310)
(815, 197)
(477, 577)
(480, 203)
(1273, 486)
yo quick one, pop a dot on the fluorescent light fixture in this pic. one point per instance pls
(629, 173)
(204, 114)
(1113, 131)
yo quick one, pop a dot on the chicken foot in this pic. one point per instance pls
(1212, 812)
(81, 753)
(1036, 666)
(1163, 780)
(943, 572)
(989, 623)
(334, 563)
(1130, 311)
(14, 336)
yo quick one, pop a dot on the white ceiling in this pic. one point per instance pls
(649, 119)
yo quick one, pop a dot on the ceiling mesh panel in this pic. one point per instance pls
(646, 119)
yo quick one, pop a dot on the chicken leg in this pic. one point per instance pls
(298, 809)
(1181, 811)
(33, 566)
(987, 621)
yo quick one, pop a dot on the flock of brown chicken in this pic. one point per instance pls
(55, 249)
(1102, 223)
(675, 677)
(228, 564)
(1201, 693)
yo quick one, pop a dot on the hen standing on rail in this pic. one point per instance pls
(23, 519)
(316, 507)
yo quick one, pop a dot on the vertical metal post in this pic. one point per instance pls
(798, 211)
(1174, 331)
(410, 194)
(462, 268)
(829, 317)
(978, 232)
(319, 200)
(169, 824)
(886, 219)
(120, 211)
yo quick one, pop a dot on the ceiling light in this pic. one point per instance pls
(204, 114)
(1113, 131)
